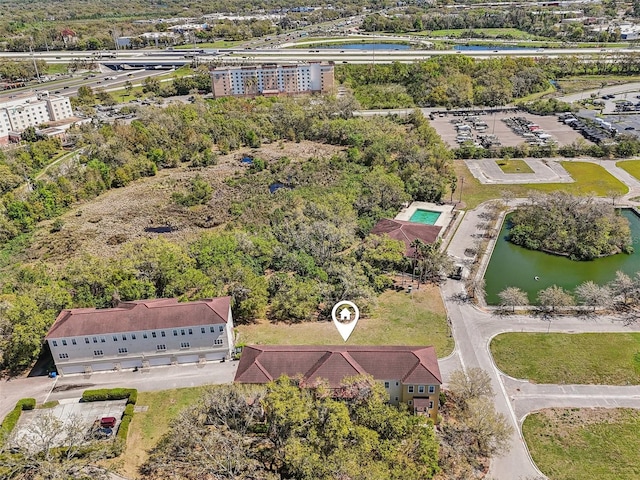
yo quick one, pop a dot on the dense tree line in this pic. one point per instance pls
(581, 228)
(311, 236)
(286, 431)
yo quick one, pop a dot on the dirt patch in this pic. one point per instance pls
(562, 133)
(144, 208)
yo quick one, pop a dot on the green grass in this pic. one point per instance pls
(218, 44)
(586, 358)
(514, 166)
(489, 32)
(399, 319)
(53, 68)
(147, 428)
(589, 179)
(585, 444)
(632, 167)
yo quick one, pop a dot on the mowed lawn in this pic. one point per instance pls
(632, 167)
(585, 444)
(514, 166)
(400, 318)
(147, 428)
(589, 179)
(585, 358)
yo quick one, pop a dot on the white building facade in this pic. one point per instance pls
(141, 334)
(31, 110)
(272, 79)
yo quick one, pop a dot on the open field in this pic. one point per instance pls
(147, 427)
(487, 32)
(564, 134)
(586, 358)
(585, 444)
(592, 82)
(589, 179)
(632, 167)
(418, 318)
(514, 166)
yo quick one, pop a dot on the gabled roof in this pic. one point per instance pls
(263, 363)
(407, 232)
(139, 315)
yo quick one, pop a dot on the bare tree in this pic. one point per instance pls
(470, 384)
(593, 295)
(491, 430)
(513, 297)
(623, 286)
(554, 297)
(507, 197)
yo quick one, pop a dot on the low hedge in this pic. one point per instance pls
(128, 410)
(11, 420)
(123, 429)
(131, 394)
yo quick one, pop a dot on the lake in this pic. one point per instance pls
(515, 266)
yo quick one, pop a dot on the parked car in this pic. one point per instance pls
(108, 422)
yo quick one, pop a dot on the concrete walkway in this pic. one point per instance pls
(487, 171)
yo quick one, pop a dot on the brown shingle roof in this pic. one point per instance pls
(262, 363)
(139, 315)
(406, 232)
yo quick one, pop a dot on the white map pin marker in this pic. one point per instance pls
(345, 315)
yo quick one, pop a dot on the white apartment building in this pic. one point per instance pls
(143, 333)
(272, 79)
(30, 110)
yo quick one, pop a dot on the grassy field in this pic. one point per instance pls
(632, 167)
(489, 32)
(593, 82)
(148, 427)
(585, 444)
(514, 166)
(589, 179)
(586, 358)
(399, 319)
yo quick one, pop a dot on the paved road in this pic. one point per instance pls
(473, 329)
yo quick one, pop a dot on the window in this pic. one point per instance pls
(432, 389)
(153, 334)
(133, 336)
(95, 339)
(162, 334)
(115, 338)
(410, 388)
(218, 341)
(64, 355)
(386, 384)
(64, 342)
(86, 339)
(161, 347)
(185, 345)
(122, 350)
(431, 404)
(103, 340)
(182, 332)
(55, 344)
(175, 333)
(124, 337)
(191, 331)
(98, 353)
(221, 328)
(73, 341)
(212, 329)
(144, 335)
(421, 389)
(396, 399)
(203, 330)
(410, 402)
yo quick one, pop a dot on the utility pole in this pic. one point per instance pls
(35, 65)
(461, 186)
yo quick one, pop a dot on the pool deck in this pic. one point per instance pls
(446, 213)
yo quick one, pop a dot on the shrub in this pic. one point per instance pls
(129, 410)
(26, 404)
(123, 430)
(131, 394)
(11, 420)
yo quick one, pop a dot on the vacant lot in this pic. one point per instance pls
(147, 427)
(586, 358)
(589, 179)
(562, 133)
(399, 319)
(514, 166)
(585, 444)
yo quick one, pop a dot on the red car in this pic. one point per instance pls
(108, 422)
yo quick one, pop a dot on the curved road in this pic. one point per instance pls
(473, 329)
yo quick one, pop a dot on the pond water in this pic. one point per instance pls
(370, 46)
(514, 266)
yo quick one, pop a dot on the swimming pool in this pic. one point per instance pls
(428, 217)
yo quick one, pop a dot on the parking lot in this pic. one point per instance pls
(70, 413)
(495, 125)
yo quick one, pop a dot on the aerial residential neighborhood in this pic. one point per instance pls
(323, 241)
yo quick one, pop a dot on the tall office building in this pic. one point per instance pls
(272, 79)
